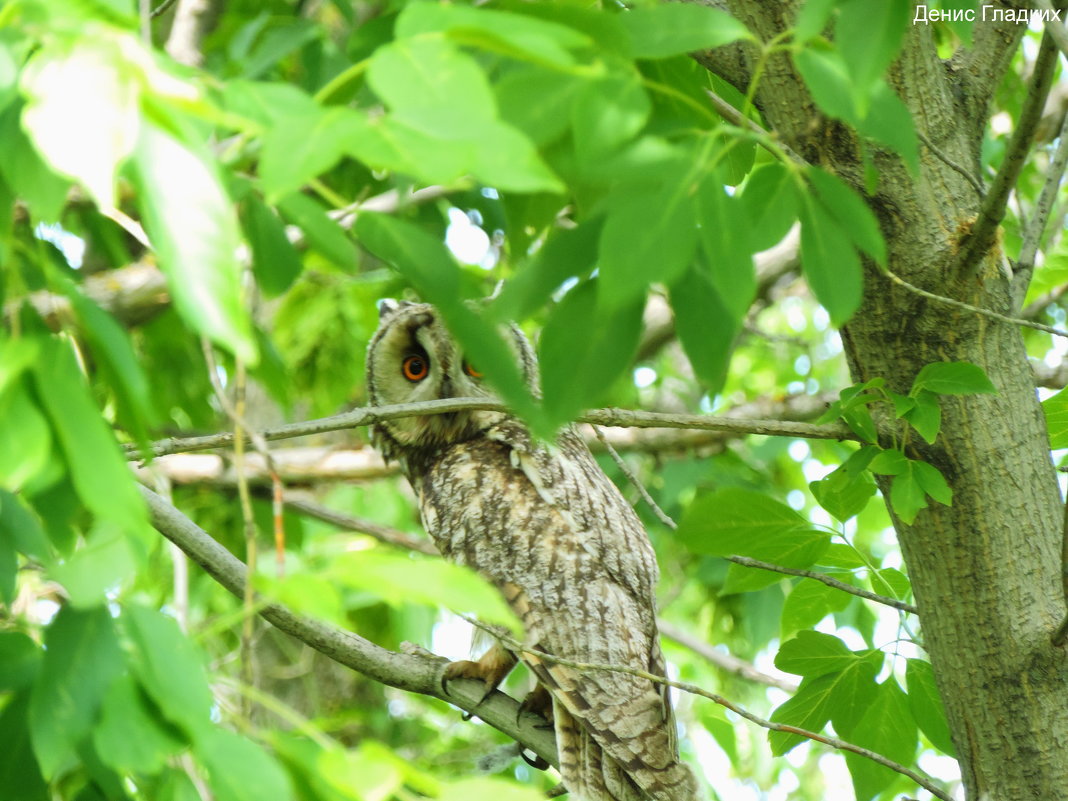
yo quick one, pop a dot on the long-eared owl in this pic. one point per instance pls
(548, 528)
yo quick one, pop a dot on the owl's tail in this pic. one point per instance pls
(591, 775)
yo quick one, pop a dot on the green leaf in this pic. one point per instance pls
(193, 227)
(926, 704)
(808, 603)
(925, 415)
(646, 239)
(25, 438)
(399, 579)
(297, 149)
(371, 767)
(953, 378)
(111, 346)
(323, 234)
(566, 253)
(169, 669)
(1056, 410)
(240, 770)
(130, 737)
(101, 564)
(888, 729)
(29, 177)
(827, 77)
(746, 523)
(275, 262)
(432, 85)
(704, 325)
(20, 660)
(889, 463)
(85, 79)
(725, 243)
(843, 494)
(829, 262)
(506, 159)
(868, 33)
(99, 472)
(487, 788)
(770, 204)
(82, 658)
(512, 34)
(584, 348)
(840, 697)
(20, 527)
(536, 101)
(850, 212)
(889, 122)
(907, 497)
(891, 581)
(18, 767)
(812, 654)
(672, 29)
(813, 19)
(608, 112)
(932, 482)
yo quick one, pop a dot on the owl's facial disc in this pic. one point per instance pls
(412, 359)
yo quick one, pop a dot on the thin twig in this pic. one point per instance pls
(622, 418)
(661, 515)
(514, 645)
(1055, 28)
(958, 304)
(1032, 234)
(984, 230)
(980, 190)
(383, 534)
(724, 661)
(162, 8)
(745, 561)
(735, 117)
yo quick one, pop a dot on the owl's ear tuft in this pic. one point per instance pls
(387, 306)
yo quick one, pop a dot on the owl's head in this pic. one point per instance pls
(412, 357)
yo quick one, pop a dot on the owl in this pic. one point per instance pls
(546, 526)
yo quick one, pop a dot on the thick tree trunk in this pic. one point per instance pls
(986, 572)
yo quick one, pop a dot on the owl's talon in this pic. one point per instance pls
(535, 762)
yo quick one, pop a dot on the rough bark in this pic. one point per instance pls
(986, 571)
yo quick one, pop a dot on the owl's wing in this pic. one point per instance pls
(595, 604)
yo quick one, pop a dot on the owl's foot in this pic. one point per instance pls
(491, 669)
(538, 702)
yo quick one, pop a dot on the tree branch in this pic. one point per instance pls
(414, 672)
(193, 20)
(979, 240)
(745, 561)
(1025, 265)
(628, 418)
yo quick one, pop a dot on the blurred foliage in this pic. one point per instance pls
(573, 156)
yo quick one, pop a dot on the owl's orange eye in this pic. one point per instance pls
(471, 371)
(415, 368)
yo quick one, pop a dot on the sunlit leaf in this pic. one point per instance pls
(669, 29)
(87, 83)
(829, 262)
(953, 378)
(887, 728)
(193, 226)
(131, 736)
(399, 579)
(240, 770)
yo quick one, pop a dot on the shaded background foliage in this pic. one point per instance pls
(318, 156)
